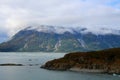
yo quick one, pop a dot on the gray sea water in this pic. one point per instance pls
(34, 72)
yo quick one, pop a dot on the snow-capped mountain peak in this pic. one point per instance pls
(73, 30)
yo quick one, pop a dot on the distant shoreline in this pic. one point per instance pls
(11, 64)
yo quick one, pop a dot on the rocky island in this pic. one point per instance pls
(105, 61)
(11, 64)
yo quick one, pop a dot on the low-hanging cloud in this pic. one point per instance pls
(17, 14)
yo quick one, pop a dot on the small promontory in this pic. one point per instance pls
(105, 61)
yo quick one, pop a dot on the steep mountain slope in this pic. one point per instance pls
(61, 39)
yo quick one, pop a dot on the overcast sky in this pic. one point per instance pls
(16, 14)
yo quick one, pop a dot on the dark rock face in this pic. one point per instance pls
(107, 60)
(59, 64)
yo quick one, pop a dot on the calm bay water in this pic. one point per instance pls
(34, 72)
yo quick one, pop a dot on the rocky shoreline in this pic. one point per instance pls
(105, 61)
(87, 70)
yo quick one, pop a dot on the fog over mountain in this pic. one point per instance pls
(94, 14)
(73, 29)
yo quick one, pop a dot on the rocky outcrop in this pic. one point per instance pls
(97, 61)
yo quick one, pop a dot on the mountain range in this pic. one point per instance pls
(61, 39)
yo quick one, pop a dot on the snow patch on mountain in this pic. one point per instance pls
(57, 45)
(83, 44)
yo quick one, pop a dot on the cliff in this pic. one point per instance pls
(107, 61)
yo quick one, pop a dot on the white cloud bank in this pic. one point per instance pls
(16, 14)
